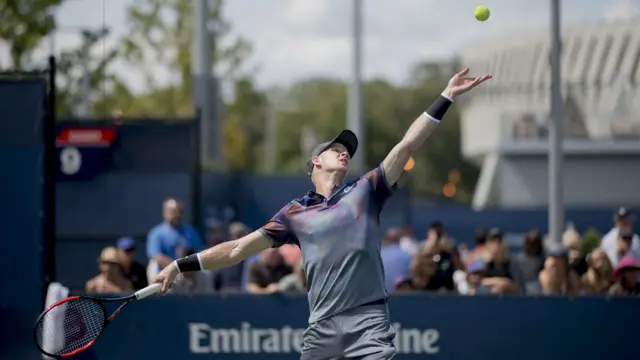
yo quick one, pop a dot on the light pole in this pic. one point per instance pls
(354, 118)
(556, 121)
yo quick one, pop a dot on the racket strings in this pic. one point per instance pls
(70, 326)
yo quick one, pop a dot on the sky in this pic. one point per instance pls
(294, 39)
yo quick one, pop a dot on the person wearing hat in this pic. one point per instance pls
(132, 269)
(624, 246)
(475, 274)
(557, 278)
(110, 280)
(627, 274)
(622, 219)
(336, 226)
(500, 272)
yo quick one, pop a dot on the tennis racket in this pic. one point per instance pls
(72, 325)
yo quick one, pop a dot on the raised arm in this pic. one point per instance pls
(426, 124)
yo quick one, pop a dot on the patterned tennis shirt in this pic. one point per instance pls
(338, 240)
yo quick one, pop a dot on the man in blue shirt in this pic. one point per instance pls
(336, 227)
(396, 261)
(171, 236)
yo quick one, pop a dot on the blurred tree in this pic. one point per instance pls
(246, 116)
(317, 103)
(389, 111)
(162, 32)
(105, 89)
(23, 24)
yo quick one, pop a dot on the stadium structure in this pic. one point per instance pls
(504, 124)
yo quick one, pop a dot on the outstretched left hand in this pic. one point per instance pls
(459, 84)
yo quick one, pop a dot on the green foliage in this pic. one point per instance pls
(389, 110)
(104, 85)
(23, 25)
(151, 28)
(590, 240)
(162, 32)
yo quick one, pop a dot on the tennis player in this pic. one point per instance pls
(334, 227)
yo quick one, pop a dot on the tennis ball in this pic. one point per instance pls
(482, 13)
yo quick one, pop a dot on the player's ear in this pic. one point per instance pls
(315, 160)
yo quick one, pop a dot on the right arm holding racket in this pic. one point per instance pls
(223, 255)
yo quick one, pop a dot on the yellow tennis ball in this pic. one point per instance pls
(482, 13)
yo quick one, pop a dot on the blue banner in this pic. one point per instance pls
(491, 328)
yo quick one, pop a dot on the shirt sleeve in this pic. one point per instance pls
(380, 188)
(277, 229)
(154, 246)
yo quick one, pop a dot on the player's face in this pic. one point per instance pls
(335, 158)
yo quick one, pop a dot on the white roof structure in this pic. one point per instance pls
(601, 86)
(601, 78)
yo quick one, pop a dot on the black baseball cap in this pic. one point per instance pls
(346, 138)
(623, 213)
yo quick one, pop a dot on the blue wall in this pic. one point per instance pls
(22, 112)
(482, 328)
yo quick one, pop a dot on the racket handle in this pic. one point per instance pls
(148, 291)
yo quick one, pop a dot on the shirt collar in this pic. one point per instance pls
(313, 198)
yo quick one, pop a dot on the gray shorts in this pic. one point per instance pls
(364, 332)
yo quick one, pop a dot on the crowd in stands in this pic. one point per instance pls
(435, 264)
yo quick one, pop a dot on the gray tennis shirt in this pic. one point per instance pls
(339, 242)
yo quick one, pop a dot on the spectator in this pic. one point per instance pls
(200, 282)
(291, 254)
(475, 276)
(165, 238)
(110, 280)
(214, 235)
(422, 277)
(295, 282)
(446, 256)
(132, 269)
(230, 278)
(572, 241)
(622, 219)
(480, 237)
(627, 274)
(557, 278)
(599, 276)
(499, 276)
(529, 263)
(408, 241)
(266, 272)
(623, 245)
(396, 261)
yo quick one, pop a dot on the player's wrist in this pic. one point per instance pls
(449, 94)
(189, 263)
(439, 108)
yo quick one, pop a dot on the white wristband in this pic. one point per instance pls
(200, 261)
(431, 117)
(447, 97)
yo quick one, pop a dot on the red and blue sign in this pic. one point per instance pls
(84, 152)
